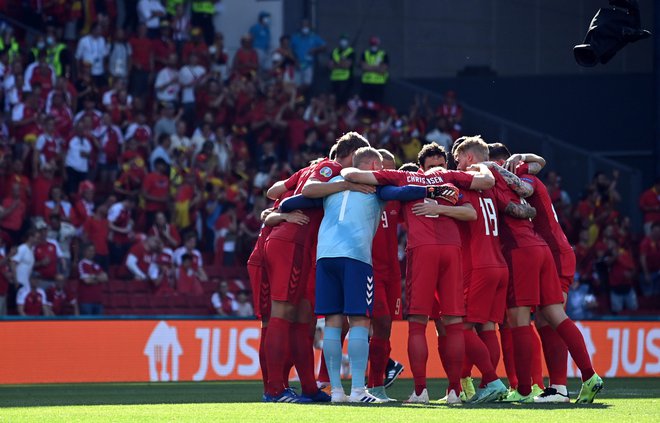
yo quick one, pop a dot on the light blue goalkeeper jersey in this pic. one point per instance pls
(349, 224)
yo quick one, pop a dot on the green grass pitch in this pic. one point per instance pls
(622, 400)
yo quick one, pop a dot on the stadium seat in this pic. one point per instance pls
(139, 287)
(140, 301)
(117, 286)
(118, 300)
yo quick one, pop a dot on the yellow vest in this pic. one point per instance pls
(339, 74)
(203, 6)
(171, 6)
(55, 59)
(13, 51)
(374, 59)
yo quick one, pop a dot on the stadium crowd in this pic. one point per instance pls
(134, 147)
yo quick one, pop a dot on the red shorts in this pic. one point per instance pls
(286, 269)
(434, 272)
(260, 291)
(533, 278)
(485, 294)
(387, 295)
(565, 262)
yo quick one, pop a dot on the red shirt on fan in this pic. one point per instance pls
(545, 223)
(60, 299)
(651, 249)
(47, 249)
(4, 270)
(426, 230)
(650, 198)
(89, 293)
(14, 220)
(516, 233)
(32, 300)
(481, 241)
(187, 281)
(40, 188)
(157, 185)
(144, 257)
(385, 247)
(120, 217)
(63, 120)
(97, 230)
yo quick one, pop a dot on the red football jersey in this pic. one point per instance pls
(481, 237)
(97, 230)
(427, 230)
(546, 223)
(89, 293)
(41, 251)
(59, 299)
(32, 300)
(385, 247)
(516, 233)
(257, 256)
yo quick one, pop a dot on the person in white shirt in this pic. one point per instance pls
(119, 62)
(191, 76)
(167, 81)
(93, 49)
(440, 134)
(160, 152)
(34, 67)
(180, 141)
(12, 84)
(189, 247)
(77, 159)
(149, 13)
(23, 261)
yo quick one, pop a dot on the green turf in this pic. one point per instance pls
(622, 400)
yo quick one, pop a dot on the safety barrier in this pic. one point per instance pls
(200, 350)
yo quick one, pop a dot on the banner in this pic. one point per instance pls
(197, 350)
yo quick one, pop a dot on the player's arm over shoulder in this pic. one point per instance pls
(482, 177)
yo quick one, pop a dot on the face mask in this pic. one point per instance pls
(374, 48)
(50, 41)
(343, 43)
(305, 30)
(41, 45)
(266, 21)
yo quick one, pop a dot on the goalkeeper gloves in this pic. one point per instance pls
(447, 192)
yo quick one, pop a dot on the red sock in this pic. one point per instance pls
(442, 351)
(537, 360)
(277, 351)
(573, 339)
(556, 355)
(489, 338)
(379, 353)
(286, 370)
(508, 356)
(522, 350)
(479, 355)
(418, 354)
(467, 363)
(302, 348)
(262, 357)
(323, 371)
(455, 353)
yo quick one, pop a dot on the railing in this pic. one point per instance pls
(577, 166)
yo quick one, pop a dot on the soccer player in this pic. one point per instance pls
(345, 280)
(387, 296)
(485, 275)
(534, 282)
(434, 266)
(547, 226)
(289, 259)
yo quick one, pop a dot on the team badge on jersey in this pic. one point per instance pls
(326, 172)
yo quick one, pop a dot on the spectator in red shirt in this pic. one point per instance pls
(12, 214)
(25, 117)
(164, 46)
(649, 258)
(62, 299)
(141, 256)
(120, 223)
(41, 186)
(246, 60)
(189, 247)
(49, 262)
(96, 230)
(223, 301)
(62, 114)
(156, 191)
(31, 300)
(166, 232)
(142, 62)
(649, 202)
(92, 276)
(47, 149)
(57, 204)
(187, 279)
(196, 45)
(621, 277)
(83, 206)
